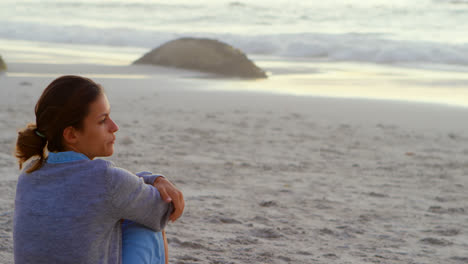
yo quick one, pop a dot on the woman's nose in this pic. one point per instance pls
(114, 127)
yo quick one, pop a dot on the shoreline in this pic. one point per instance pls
(321, 80)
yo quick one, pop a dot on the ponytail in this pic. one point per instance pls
(30, 143)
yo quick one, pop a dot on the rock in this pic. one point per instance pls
(3, 66)
(206, 55)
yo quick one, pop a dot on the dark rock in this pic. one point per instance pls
(206, 55)
(3, 66)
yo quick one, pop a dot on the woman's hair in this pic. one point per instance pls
(65, 102)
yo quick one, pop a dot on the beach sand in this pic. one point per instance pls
(273, 178)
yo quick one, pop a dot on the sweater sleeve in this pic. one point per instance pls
(134, 200)
(148, 177)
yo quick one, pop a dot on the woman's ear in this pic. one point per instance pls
(69, 135)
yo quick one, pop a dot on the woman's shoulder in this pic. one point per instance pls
(102, 163)
(110, 168)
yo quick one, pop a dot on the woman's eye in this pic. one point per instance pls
(102, 121)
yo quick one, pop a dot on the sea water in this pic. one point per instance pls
(302, 38)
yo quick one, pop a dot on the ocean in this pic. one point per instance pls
(423, 38)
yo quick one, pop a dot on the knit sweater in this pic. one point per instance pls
(69, 212)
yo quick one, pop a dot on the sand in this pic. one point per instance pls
(274, 178)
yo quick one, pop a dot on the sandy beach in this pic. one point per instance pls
(272, 178)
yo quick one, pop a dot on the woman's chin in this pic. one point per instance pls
(110, 151)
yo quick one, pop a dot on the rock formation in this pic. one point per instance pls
(206, 55)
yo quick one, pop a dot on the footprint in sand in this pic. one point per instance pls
(436, 241)
(268, 204)
(268, 233)
(448, 232)
(261, 219)
(378, 195)
(330, 256)
(186, 258)
(444, 231)
(242, 240)
(305, 253)
(185, 244)
(326, 231)
(460, 259)
(441, 210)
(224, 220)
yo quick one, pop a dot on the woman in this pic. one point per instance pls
(69, 205)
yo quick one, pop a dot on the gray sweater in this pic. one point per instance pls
(69, 212)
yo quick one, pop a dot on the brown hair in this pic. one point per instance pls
(65, 102)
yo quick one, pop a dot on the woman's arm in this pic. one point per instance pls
(168, 191)
(134, 200)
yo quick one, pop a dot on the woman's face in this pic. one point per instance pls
(97, 138)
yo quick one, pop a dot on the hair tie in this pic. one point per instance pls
(39, 133)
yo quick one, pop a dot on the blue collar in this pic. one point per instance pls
(67, 156)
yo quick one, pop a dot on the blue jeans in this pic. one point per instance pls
(141, 245)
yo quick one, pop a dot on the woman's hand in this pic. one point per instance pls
(169, 193)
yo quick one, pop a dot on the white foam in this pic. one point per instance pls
(312, 46)
(376, 31)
